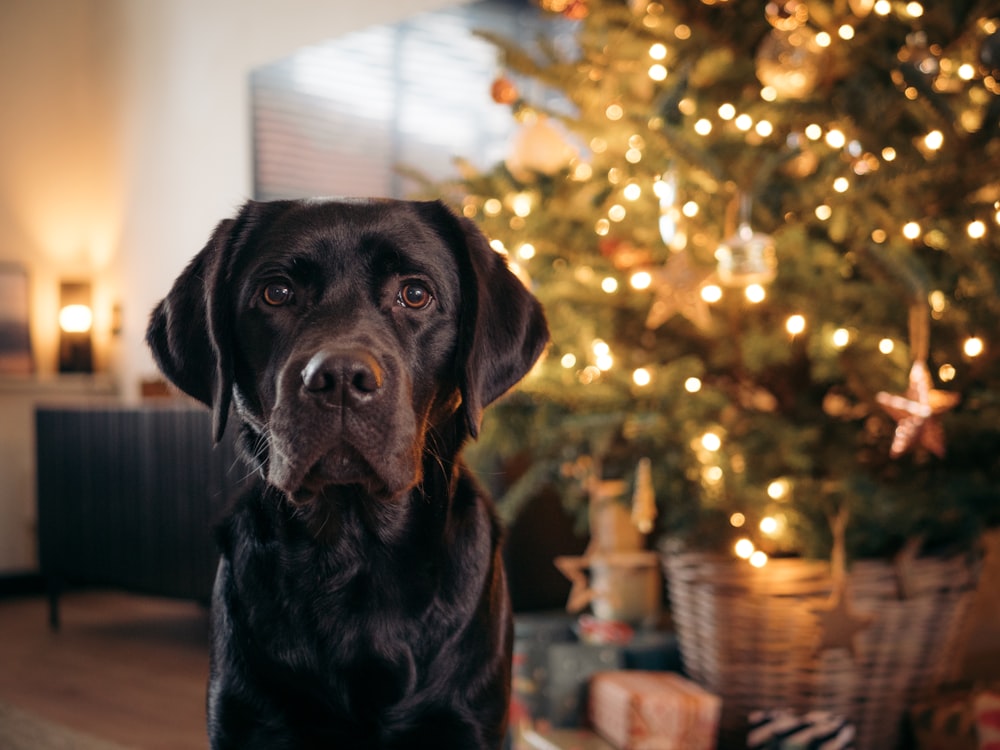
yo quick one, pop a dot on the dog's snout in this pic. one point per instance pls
(342, 376)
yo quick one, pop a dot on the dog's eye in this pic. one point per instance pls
(414, 296)
(277, 293)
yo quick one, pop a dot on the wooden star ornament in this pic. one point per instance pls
(677, 290)
(839, 624)
(916, 413)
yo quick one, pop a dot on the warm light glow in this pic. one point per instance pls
(934, 140)
(713, 474)
(814, 132)
(755, 293)
(846, 32)
(614, 112)
(711, 442)
(703, 127)
(973, 346)
(641, 280)
(658, 51)
(492, 207)
(835, 139)
(764, 128)
(889, 153)
(605, 362)
(777, 489)
(966, 72)
(690, 209)
(568, 361)
(744, 122)
(744, 548)
(609, 285)
(823, 39)
(616, 213)
(76, 319)
(602, 227)
(795, 324)
(768, 525)
(521, 204)
(937, 300)
(911, 230)
(692, 385)
(658, 72)
(737, 520)
(711, 293)
(882, 7)
(841, 184)
(727, 111)
(642, 377)
(946, 372)
(499, 247)
(915, 9)
(633, 156)
(841, 338)
(758, 559)
(600, 348)
(769, 94)
(823, 212)
(526, 251)
(632, 191)
(976, 230)
(886, 346)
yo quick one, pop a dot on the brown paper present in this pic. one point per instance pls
(641, 710)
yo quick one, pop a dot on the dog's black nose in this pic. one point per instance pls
(342, 376)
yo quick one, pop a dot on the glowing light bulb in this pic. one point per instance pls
(692, 385)
(841, 184)
(632, 191)
(641, 377)
(727, 111)
(768, 525)
(822, 39)
(744, 122)
(835, 139)
(846, 32)
(886, 346)
(823, 212)
(841, 338)
(614, 112)
(755, 293)
(777, 489)
(795, 324)
(641, 280)
(526, 251)
(711, 442)
(690, 209)
(703, 127)
(737, 520)
(814, 132)
(657, 72)
(604, 362)
(76, 319)
(609, 285)
(973, 346)
(934, 140)
(764, 128)
(492, 207)
(600, 348)
(882, 7)
(976, 229)
(617, 213)
(658, 51)
(911, 230)
(711, 293)
(568, 361)
(915, 9)
(744, 548)
(758, 559)
(521, 204)
(889, 153)
(947, 373)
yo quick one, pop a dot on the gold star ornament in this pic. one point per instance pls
(677, 291)
(916, 413)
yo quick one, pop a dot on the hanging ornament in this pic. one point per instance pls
(790, 62)
(916, 412)
(838, 623)
(746, 257)
(677, 290)
(643, 497)
(540, 148)
(504, 91)
(786, 14)
(989, 53)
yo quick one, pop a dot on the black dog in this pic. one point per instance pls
(360, 600)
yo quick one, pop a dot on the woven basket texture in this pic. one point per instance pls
(752, 636)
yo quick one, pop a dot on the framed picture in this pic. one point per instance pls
(15, 331)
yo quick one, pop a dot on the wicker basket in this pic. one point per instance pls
(750, 636)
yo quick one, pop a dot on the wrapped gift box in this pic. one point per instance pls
(785, 730)
(986, 706)
(644, 710)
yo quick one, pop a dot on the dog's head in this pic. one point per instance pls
(342, 333)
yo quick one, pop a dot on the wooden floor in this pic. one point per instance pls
(123, 668)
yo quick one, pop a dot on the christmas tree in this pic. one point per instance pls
(767, 238)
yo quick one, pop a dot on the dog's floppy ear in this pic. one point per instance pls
(502, 328)
(188, 330)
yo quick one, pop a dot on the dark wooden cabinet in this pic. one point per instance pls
(128, 498)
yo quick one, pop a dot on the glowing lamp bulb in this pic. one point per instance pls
(76, 319)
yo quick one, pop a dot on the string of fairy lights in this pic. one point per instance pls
(627, 189)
